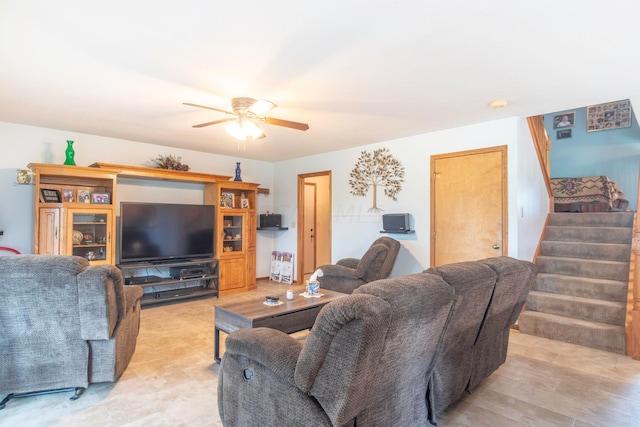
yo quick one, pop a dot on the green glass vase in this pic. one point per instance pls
(70, 154)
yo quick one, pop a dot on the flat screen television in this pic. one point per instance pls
(157, 232)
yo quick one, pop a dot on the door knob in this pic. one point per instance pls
(496, 246)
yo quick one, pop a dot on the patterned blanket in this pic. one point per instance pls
(587, 194)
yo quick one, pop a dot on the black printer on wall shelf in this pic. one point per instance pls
(398, 223)
(271, 222)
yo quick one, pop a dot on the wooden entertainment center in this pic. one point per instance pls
(73, 224)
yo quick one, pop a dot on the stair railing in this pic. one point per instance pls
(542, 144)
(633, 330)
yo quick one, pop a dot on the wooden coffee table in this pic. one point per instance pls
(289, 317)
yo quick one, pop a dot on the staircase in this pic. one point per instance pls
(583, 272)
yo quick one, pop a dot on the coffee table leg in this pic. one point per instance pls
(216, 345)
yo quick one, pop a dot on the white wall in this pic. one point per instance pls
(532, 197)
(354, 228)
(22, 145)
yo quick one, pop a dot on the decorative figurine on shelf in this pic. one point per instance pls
(70, 154)
(24, 176)
(237, 178)
(170, 162)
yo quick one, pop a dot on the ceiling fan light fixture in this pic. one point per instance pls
(251, 129)
(248, 114)
(244, 130)
(233, 128)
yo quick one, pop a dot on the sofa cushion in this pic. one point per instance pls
(473, 283)
(514, 280)
(421, 305)
(371, 263)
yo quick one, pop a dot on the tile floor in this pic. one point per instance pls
(171, 381)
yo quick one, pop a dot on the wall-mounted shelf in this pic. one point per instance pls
(397, 231)
(272, 228)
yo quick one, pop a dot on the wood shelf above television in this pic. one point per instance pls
(161, 174)
(145, 172)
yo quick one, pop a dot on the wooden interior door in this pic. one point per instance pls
(315, 210)
(309, 229)
(468, 205)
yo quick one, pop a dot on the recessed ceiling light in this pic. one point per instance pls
(498, 103)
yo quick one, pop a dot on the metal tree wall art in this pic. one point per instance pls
(379, 169)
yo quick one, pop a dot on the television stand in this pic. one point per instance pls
(139, 280)
(178, 279)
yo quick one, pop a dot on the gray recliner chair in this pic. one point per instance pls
(366, 362)
(349, 273)
(65, 324)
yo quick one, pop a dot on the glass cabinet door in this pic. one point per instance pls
(233, 233)
(89, 234)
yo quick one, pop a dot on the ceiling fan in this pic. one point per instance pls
(246, 113)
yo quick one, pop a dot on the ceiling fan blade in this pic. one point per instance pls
(208, 108)
(261, 107)
(215, 122)
(286, 123)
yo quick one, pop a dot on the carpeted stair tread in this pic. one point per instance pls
(586, 287)
(604, 219)
(581, 293)
(586, 250)
(589, 234)
(597, 269)
(581, 332)
(589, 309)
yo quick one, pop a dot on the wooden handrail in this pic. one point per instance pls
(633, 329)
(542, 144)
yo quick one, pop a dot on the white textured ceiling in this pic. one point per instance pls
(357, 72)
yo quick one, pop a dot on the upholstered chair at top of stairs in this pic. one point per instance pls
(350, 273)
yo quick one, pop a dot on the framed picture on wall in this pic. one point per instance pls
(564, 120)
(563, 133)
(611, 115)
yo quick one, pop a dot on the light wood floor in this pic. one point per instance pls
(172, 380)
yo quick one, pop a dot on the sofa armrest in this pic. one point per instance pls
(132, 295)
(97, 303)
(269, 347)
(103, 301)
(348, 262)
(255, 382)
(337, 271)
(339, 278)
